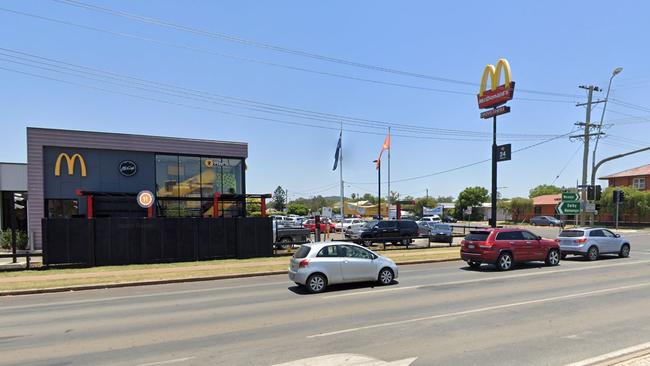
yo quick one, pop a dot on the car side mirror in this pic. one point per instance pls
(539, 237)
(618, 235)
(376, 227)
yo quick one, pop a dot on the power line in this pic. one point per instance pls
(263, 45)
(467, 165)
(566, 165)
(180, 92)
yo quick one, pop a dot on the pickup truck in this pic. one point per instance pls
(283, 235)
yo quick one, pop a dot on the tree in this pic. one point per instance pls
(519, 207)
(279, 199)
(445, 199)
(369, 197)
(544, 189)
(394, 196)
(297, 208)
(471, 197)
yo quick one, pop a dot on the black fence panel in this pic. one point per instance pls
(110, 241)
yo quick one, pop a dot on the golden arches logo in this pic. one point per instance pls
(70, 161)
(495, 75)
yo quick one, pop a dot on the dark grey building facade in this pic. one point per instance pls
(65, 167)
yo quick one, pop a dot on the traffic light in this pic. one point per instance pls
(599, 193)
(590, 193)
(619, 196)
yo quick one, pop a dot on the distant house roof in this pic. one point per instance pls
(547, 199)
(634, 172)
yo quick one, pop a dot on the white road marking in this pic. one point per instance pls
(480, 310)
(115, 298)
(612, 355)
(167, 362)
(346, 359)
(485, 279)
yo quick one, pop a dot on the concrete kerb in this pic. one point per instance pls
(179, 280)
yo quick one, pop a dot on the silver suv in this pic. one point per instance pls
(592, 242)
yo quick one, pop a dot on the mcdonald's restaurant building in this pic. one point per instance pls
(82, 188)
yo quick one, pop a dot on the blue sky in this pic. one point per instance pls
(552, 48)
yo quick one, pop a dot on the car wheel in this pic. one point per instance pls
(625, 251)
(386, 276)
(316, 283)
(592, 253)
(553, 257)
(474, 264)
(406, 241)
(504, 262)
(532, 223)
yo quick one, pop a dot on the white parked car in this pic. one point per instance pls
(435, 219)
(319, 265)
(348, 224)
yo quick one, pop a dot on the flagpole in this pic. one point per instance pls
(389, 149)
(341, 176)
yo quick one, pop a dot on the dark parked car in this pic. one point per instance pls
(545, 221)
(384, 231)
(505, 247)
(441, 233)
(449, 219)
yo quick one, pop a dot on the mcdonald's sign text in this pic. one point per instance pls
(495, 112)
(497, 94)
(70, 163)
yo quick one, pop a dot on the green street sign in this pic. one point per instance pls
(570, 197)
(568, 208)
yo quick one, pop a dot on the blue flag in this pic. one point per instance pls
(337, 153)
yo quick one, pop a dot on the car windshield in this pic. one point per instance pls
(477, 236)
(302, 252)
(441, 227)
(572, 233)
(370, 224)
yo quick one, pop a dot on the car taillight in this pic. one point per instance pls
(580, 241)
(303, 263)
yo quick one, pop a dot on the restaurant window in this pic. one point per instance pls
(189, 176)
(211, 177)
(167, 176)
(232, 176)
(62, 208)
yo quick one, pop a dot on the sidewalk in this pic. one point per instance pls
(113, 276)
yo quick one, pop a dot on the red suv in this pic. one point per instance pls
(504, 247)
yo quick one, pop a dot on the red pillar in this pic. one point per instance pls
(89, 203)
(263, 206)
(215, 204)
(150, 212)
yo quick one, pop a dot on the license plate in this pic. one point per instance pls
(471, 246)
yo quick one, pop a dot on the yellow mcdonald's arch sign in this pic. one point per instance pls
(497, 94)
(70, 161)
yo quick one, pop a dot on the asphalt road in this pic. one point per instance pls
(443, 314)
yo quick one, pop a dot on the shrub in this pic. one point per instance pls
(21, 240)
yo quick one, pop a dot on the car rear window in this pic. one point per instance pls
(302, 252)
(572, 233)
(477, 236)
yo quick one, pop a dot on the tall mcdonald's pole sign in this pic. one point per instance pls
(494, 99)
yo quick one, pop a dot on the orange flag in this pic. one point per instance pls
(385, 146)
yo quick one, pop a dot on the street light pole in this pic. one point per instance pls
(378, 162)
(600, 125)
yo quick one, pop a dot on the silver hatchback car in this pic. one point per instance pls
(319, 265)
(592, 242)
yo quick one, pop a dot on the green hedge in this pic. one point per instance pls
(21, 240)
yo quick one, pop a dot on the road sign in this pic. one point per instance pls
(590, 207)
(504, 152)
(570, 196)
(568, 208)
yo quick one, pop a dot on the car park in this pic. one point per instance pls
(592, 242)
(390, 231)
(354, 232)
(545, 221)
(505, 247)
(441, 233)
(319, 265)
